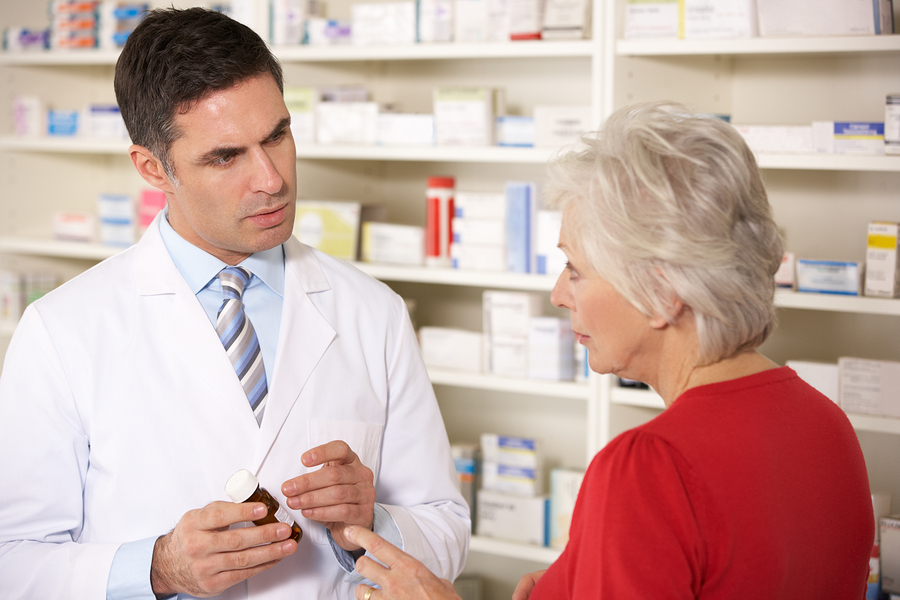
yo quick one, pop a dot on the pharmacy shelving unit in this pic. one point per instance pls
(822, 202)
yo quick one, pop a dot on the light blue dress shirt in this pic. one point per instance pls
(129, 575)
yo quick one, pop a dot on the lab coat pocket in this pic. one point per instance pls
(363, 438)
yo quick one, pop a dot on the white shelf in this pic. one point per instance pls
(57, 248)
(875, 424)
(758, 45)
(59, 57)
(482, 381)
(837, 303)
(636, 397)
(436, 51)
(485, 279)
(541, 554)
(829, 162)
(466, 154)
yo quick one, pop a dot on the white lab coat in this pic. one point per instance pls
(119, 412)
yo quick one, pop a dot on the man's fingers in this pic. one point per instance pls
(336, 451)
(376, 546)
(221, 515)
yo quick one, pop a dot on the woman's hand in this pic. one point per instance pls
(404, 578)
(526, 584)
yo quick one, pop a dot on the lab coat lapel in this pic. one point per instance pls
(303, 338)
(184, 329)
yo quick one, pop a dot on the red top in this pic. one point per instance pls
(750, 488)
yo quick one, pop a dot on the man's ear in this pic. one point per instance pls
(150, 168)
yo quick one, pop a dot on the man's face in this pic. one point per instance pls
(236, 171)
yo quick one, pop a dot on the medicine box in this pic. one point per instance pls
(786, 18)
(435, 20)
(330, 226)
(557, 126)
(704, 19)
(116, 215)
(509, 313)
(890, 554)
(651, 19)
(301, 104)
(832, 137)
(829, 276)
(448, 348)
(566, 20)
(550, 345)
(405, 129)
(778, 138)
(521, 206)
(394, 244)
(822, 376)
(328, 32)
(564, 486)
(478, 257)
(784, 276)
(479, 205)
(479, 231)
(73, 226)
(471, 21)
(507, 355)
(62, 122)
(519, 481)
(515, 131)
(526, 19)
(869, 386)
(883, 260)
(347, 123)
(513, 518)
(511, 450)
(550, 260)
(466, 460)
(103, 121)
(383, 23)
(464, 116)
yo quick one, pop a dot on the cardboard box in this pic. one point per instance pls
(883, 260)
(829, 276)
(405, 129)
(824, 377)
(788, 18)
(890, 554)
(301, 104)
(651, 19)
(550, 260)
(479, 205)
(778, 138)
(393, 244)
(848, 137)
(870, 386)
(449, 348)
(478, 257)
(347, 123)
(332, 226)
(564, 486)
(550, 345)
(464, 116)
(514, 518)
(383, 23)
(705, 19)
(557, 126)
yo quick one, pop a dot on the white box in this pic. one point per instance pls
(347, 123)
(478, 257)
(890, 554)
(778, 138)
(383, 23)
(870, 386)
(784, 276)
(448, 348)
(508, 479)
(405, 129)
(881, 503)
(487, 232)
(815, 17)
(526, 19)
(301, 104)
(514, 518)
(822, 376)
(103, 122)
(515, 131)
(479, 205)
(647, 19)
(883, 260)
(509, 313)
(550, 259)
(328, 32)
(464, 116)
(470, 21)
(287, 22)
(829, 276)
(566, 20)
(556, 126)
(511, 450)
(330, 226)
(73, 226)
(116, 216)
(550, 345)
(391, 243)
(564, 486)
(435, 21)
(507, 355)
(704, 19)
(848, 137)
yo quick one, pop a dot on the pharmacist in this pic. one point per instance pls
(122, 414)
(751, 484)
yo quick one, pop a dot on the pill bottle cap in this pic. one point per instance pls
(241, 485)
(441, 182)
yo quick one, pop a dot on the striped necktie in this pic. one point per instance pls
(239, 338)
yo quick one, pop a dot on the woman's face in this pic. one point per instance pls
(616, 334)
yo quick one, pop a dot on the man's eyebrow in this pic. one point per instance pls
(224, 151)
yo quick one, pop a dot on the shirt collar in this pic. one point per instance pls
(199, 267)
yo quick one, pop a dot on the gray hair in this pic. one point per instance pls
(671, 205)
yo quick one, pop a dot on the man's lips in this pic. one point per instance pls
(269, 217)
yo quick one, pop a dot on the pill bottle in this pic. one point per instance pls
(244, 487)
(439, 221)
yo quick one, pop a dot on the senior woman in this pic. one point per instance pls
(751, 484)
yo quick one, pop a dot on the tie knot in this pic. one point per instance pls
(234, 280)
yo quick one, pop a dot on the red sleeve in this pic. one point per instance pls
(634, 531)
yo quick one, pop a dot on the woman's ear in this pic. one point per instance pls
(674, 309)
(150, 168)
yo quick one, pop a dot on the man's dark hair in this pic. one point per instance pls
(173, 60)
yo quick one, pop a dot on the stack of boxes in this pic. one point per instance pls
(93, 24)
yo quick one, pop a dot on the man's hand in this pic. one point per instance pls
(202, 557)
(341, 493)
(526, 585)
(404, 578)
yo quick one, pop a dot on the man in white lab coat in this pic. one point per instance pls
(122, 416)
